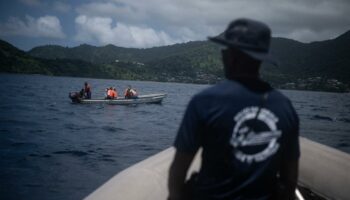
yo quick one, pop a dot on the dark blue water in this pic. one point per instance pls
(52, 149)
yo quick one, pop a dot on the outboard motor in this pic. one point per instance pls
(75, 97)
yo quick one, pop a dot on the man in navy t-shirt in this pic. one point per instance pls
(248, 130)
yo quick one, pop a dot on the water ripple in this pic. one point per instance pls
(112, 129)
(72, 152)
(320, 117)
(347, 120)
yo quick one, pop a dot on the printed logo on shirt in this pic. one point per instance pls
(255, 140)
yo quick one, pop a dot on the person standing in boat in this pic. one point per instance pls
(248, 131)
(87, 90)
(130, 93)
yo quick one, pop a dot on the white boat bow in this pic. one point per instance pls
(323, 170)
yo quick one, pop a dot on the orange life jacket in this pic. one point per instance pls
(110, 93)
(114, 94)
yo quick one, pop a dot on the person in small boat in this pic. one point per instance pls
(81, 93)
(87, 91)
(112, 93)
(109, 93)
(130, 93)
(77, 96)
(115, 93)
(248, 131)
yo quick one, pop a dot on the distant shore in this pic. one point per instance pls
(312, 84)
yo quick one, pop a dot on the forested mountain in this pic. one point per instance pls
(13, 60)
(315, 66)
(16, 61)
(324, 60)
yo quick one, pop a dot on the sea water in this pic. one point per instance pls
(53, 149)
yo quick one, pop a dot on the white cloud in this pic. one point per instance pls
(311, 35)
(46, 26)
(103, 30)
(177, 19)
(61, 7)
(196, 19)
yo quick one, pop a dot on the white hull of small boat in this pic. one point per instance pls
(150, 98)
(323, 170)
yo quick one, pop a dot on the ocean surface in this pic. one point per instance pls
(53, 149)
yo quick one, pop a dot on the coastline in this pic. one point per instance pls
(304, 87)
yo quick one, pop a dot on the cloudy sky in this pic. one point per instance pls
(148, 23)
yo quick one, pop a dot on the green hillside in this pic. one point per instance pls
(13, 60)
(313, 66)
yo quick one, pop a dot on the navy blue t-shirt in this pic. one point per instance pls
(242, 151)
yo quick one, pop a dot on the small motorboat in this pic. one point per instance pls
(149, 98)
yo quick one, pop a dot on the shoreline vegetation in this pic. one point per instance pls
(313, 87)
(317, 66)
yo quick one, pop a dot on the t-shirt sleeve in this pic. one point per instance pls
(188, 137)
(292, 150)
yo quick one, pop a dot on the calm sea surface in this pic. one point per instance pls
(52, 149)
